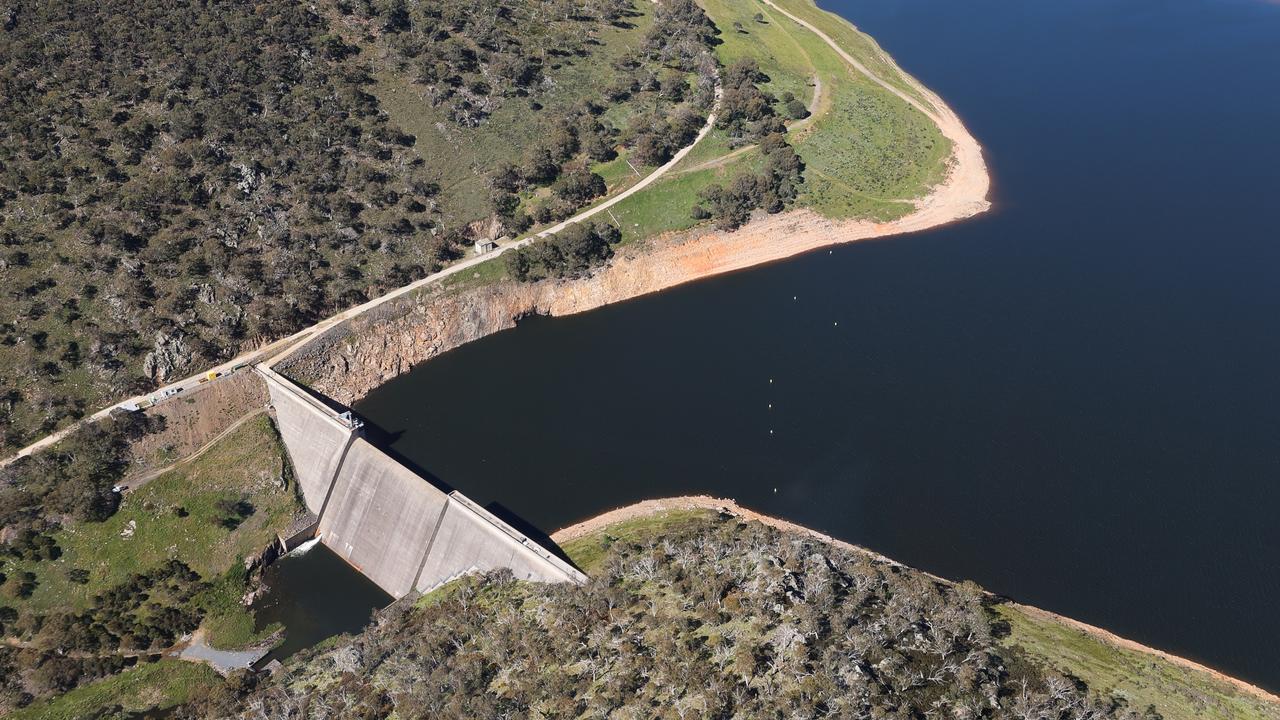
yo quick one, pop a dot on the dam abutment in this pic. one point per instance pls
(395, 527)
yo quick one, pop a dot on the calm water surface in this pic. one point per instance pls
(1074, 400)
(315, 595)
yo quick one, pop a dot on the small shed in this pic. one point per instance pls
(485, 245)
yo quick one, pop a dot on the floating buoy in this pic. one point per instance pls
(835, 324)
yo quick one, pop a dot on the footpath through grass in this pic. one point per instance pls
(868, 153)
(211, 513)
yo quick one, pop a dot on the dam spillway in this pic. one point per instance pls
(392, 525)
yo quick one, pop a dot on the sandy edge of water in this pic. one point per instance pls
(646, 508)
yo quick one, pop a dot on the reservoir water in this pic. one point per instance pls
(1074, 400)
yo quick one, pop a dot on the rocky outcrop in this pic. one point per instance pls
(350, 360)
(169, 355)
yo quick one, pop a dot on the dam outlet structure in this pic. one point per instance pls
(394, 526)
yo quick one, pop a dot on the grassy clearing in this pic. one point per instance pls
(617, 174)
(870, 153)
(1178, 693)
(589, 550)
(486, 273)
(867, 152)
(178, 515)
(665, 205)
(152, 686)
(460, 156)
(772, 44)
(858, 44)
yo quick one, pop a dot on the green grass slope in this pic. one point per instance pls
(177, 515)
(867, 152)
(148, 687)
(1142, 679)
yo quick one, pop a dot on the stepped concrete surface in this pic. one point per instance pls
(395, 527)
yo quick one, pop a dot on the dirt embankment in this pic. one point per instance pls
(349, 361)
(194, 418)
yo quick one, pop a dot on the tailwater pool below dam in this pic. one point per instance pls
(1073, 400)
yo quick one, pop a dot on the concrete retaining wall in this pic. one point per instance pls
(470, 539)
(381, 518)
(396, 528)
(315, 438)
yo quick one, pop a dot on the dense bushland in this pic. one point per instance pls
(181, 180)
(178, 179)
(89, 579)
(74, 478)
(572, 252)
(144, 615)
(707, 619)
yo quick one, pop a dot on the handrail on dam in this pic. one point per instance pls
(519, 537)
(343, 420)
(394, 526)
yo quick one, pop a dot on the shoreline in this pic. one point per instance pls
(348, 359)
(659, 262)
(647, 508)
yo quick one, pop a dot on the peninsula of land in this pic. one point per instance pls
(795, 132)
(1176, 686)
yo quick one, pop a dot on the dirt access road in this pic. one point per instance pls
(961, 195)
(279, 349)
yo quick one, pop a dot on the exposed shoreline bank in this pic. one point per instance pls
(647, 508)
(350, 359)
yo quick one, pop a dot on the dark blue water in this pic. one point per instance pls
(1074, 400)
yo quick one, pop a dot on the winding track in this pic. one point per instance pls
(962, 194)
(275, 351)
(150, 475)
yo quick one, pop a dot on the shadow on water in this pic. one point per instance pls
(531, 531)
(385, 441)
(315, 595)
(1073, 400)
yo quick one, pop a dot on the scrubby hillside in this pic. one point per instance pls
(82, 599)
(181, 180)
(691, 617)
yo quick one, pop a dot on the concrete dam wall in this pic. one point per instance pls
(393, 526)
(315, 437)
